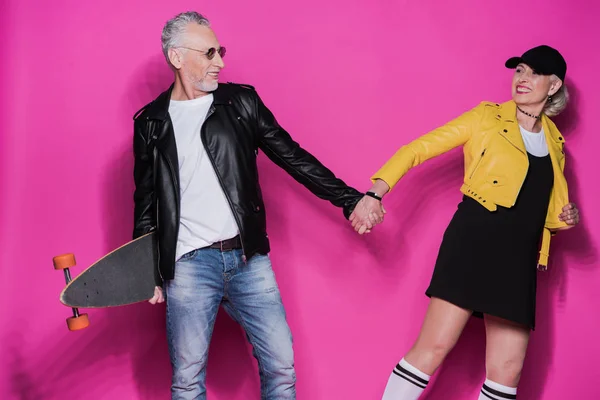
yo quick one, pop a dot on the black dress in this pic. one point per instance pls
(488, 260)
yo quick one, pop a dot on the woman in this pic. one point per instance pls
(515, 194)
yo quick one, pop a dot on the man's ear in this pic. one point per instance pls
(175, 58)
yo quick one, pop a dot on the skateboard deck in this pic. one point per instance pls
(124, 276)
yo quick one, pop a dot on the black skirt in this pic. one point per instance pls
(487, 261)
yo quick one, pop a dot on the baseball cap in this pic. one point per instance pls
(542, 59)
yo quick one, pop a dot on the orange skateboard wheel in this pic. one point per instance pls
(64, 261)
(77, 323)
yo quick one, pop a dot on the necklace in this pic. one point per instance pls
(529, 115)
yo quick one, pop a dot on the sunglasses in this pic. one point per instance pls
(210, 53)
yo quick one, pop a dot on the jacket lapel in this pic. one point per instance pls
(161, 126)
(509, 126)
(555, 143)
(553, 137)
(161, 131)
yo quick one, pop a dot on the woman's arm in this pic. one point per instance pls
(445, 138)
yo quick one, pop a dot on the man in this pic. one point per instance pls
(197, 185)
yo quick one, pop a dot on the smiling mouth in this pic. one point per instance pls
(523, 90)
(214, 75)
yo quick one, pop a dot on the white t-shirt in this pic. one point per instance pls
(535, 143)
(205, 217)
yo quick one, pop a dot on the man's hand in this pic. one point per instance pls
(570, 214)
(367, 213)
(158, 296)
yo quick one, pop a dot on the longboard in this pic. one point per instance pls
(124, 276)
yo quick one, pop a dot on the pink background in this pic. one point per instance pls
(352, 81)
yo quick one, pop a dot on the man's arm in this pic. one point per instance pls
(278, 145)
(144, 218)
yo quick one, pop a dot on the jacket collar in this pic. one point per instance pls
(159, 108)
(508, 112)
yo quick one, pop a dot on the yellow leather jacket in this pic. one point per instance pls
(495, 160)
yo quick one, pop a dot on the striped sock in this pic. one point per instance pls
(496, 391)
(405, 383)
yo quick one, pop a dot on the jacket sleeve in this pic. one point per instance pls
(279, 146)
(144, 218)
(443, 139)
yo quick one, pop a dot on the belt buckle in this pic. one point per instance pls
(225, 245)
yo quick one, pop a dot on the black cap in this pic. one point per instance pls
(542, 59)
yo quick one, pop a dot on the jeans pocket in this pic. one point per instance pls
(188, 256)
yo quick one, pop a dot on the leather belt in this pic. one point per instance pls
(229, 244)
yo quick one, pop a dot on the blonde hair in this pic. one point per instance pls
(558, 101)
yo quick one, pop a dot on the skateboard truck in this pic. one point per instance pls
(77, 321)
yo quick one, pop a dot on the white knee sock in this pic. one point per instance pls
(496, 391)
(405, 383)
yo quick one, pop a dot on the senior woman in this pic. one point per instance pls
(515, 194)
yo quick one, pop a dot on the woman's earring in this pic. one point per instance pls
(549, 99)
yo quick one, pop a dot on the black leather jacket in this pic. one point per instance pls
(236, 126)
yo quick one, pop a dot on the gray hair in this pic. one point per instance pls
(558, 102)
(175, 27)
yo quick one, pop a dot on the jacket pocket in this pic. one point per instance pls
(478, 164)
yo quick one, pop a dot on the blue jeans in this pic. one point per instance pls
(205, 279)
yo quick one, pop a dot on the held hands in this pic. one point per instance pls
(369, 211)
(158, 296)
(570, 214)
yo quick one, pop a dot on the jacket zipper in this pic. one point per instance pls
(154, 168)
(157, 250)
(477, 166)
(211, 111)
(177, 195)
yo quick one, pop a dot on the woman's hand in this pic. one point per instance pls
(570, 214)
